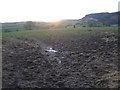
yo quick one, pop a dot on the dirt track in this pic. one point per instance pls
(78, 62)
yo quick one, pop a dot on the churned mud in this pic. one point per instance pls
(74, 62)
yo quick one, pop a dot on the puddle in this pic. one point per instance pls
(52, 54)
(51, 50)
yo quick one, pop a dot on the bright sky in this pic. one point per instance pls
(51, 10)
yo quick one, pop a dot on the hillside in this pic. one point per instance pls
(100, 19)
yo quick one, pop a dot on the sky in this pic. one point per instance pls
(52, 10)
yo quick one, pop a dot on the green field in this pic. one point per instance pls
(64, 31)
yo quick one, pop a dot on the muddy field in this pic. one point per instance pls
(60, 59)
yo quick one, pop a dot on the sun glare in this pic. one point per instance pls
(53, 20)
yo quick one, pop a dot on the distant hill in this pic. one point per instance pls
(100, 19)
(90, 20)
(32, 25)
